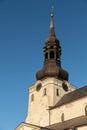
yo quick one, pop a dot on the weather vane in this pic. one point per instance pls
(52, 9)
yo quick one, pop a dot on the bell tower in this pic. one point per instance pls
(52, 82)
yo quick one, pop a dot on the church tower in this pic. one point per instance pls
(52, 82)
(54, 104)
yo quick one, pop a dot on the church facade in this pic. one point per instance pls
(55, 104)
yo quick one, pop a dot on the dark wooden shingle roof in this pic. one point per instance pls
(75, 122)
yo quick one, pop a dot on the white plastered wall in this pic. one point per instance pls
(70, 110)
(38, 110)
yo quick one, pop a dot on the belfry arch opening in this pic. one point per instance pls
(52, 55)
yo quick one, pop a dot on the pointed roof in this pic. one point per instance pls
(52, 31)
(52, 37)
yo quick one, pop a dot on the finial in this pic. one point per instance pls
(51, 22)
(52, 10)
(52, 31)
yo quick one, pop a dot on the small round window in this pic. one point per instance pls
(38, 86)
(64, 85)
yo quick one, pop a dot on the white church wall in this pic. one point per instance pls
(68, 111)
(38, 108)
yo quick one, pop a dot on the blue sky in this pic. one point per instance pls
(24, 27)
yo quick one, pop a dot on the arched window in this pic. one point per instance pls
(51, 55)
(86, 110)
(32, 97)
(46, 56)
(45, 92)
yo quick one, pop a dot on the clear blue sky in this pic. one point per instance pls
(24, 27)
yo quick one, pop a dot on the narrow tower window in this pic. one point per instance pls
(32, 97)
(62, 117)
(45, 92)
(51, 55)
(57, 92)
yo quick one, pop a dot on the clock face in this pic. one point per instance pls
(65, 86)
(38, 86)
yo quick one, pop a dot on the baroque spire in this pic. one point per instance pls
(52, 54)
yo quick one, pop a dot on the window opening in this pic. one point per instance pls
(45, 92)
(62, 117)
(65, 87)
(46, 56)
(57, 92)
(32, 97)
(51, 55)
